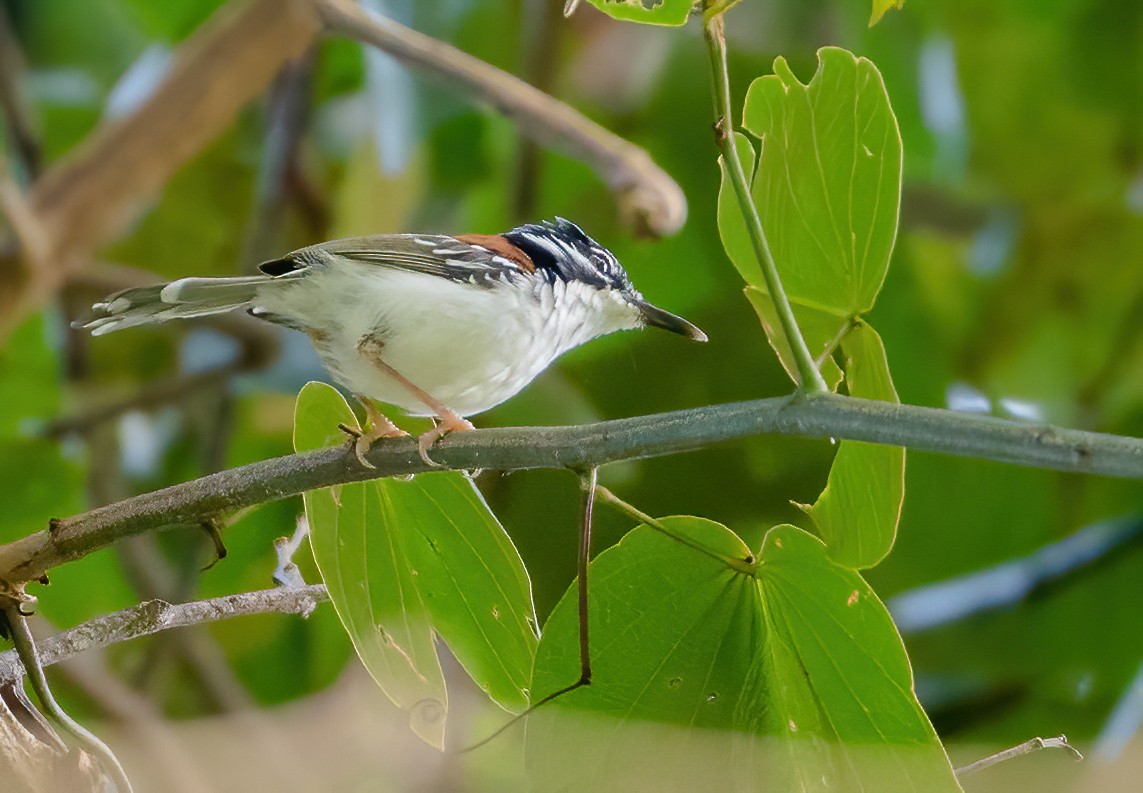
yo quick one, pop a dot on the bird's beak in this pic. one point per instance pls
(657, 317)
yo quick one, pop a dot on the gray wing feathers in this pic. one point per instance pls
(431, 254)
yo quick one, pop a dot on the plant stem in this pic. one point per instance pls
(809, 378)
(742, 565)
(26, 649)
(517, 448)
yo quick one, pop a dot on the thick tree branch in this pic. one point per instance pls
(158, 615)
(93, 193)
(809, 415)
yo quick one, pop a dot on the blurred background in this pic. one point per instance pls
(1015, 290)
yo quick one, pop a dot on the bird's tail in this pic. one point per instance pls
(182, 299)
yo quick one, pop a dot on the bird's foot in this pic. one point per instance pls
(379, 427)
(449, 422)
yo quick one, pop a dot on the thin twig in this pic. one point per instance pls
(646, 191)
(157, 615)
(539, 39)
(285, 122)
(515, 448)
(1002, 586)
(1029, 746)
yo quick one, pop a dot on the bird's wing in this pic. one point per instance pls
(445, 257)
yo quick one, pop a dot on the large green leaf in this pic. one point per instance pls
(650, 12)
(827, 183)
(782, 674)
(403, 560)
(859, 509)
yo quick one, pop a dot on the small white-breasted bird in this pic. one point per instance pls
(437, 325)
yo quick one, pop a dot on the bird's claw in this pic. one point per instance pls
(363, 440)
(449, 423)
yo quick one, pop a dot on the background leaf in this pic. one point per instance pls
(789, 677)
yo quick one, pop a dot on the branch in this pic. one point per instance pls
(1029, 746)
(92, 194)
(158, 615)
(513, 448)
(32, 664)
(645, 190)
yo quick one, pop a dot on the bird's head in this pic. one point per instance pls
(560, 250)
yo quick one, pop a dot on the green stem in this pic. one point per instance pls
(741, 565)
(26, 649)
(809, 378)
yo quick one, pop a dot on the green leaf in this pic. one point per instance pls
(788, 677)
(859, 509)
(881, 6)
(403, 560)
(827, 184)
(819, 329)
(649, 12)
(369, 583)
(471, 578)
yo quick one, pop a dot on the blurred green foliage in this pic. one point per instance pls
(1015, 279)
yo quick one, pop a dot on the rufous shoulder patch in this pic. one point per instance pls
(501, 247)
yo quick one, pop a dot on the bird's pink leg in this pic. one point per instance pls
(371, 348)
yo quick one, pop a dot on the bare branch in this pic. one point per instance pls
(1029, 746)
(652, 199)
(505, 449)
(158, 615)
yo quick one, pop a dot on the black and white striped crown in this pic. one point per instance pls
(561, 249)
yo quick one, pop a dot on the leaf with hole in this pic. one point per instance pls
(649, 12)
(827, 183)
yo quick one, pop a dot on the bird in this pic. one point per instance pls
(437, 325)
